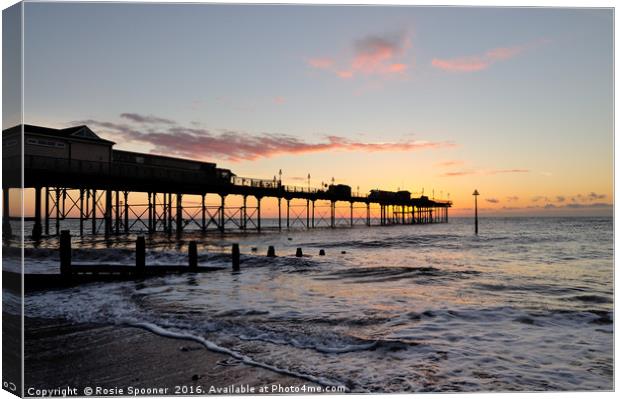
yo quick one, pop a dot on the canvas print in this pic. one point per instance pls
(301, 199)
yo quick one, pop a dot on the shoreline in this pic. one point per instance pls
(120, 359)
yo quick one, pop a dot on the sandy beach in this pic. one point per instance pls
(112, 359)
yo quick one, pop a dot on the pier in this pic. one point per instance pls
(75, 172)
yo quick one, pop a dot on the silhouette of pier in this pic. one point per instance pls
(74, 171)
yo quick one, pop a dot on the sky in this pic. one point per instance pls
(514, 102)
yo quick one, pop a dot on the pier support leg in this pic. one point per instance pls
(235, 257)
(402, 210)
(117, 212)
(258, 199)
(288, 213)
(47, 211)
(81, 212)
(155, 217)
(163, 213)
(58, 211)
(37, 229)
(351, 215)
(179, 214)
(244, 213)
(204, 214)
(126, 211)
(169, 213)
(333, 214)
(6, 225)
(279, 213)
(313, 214)
(307, 214)
(368, 214)
(93, 221)
(222, 212)
(108, 212)
(150, 212)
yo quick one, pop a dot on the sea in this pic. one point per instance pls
(526, 305)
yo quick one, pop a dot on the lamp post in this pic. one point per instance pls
(308, 182)
(280, 174)
(476, 194)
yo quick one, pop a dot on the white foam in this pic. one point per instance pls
(243, 358)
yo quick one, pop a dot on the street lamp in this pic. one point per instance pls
(308, 182)
(476, 194)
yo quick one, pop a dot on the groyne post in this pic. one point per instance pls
(140, 255)
(235, 257)
(271, 251)
(193, 256)
(65, 254)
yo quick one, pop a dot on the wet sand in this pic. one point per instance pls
(60, 354)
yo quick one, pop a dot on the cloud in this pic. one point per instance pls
(483, 172)
(594, 196)
(475, 63)
(560, 198)
(502, 171)
(200, 143)
(493, 200)
(148, 119)
(512, 198)
(374, 55)
(449, 163)
(321, 63)
(459, 173)
(539, 198)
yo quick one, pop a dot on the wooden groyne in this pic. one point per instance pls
(73, 274)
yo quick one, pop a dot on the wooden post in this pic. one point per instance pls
(244, 213)
(235, 257)
(37, 230)
(193, 256)
(322, 252)
(368, 214)
(299, 253)
(140, 255)
(313, 213)
(271, 251)
(333, 213)
(65, 254)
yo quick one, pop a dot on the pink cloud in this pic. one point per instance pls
(372, 56)
(464, 64)
(321, 63)
(483, 172)
(236, 146)
(476, 63)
